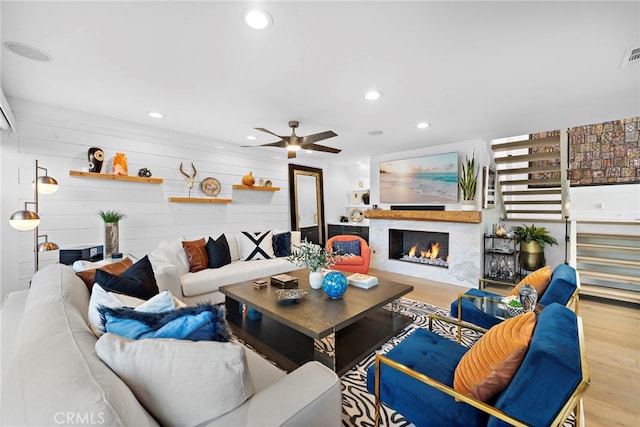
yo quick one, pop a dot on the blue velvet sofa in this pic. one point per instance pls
(562, 289)
(544, 390)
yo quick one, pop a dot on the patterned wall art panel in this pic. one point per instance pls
(605, 153)
(599, 154)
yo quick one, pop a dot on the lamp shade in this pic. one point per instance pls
(47, 185)
(24, 220)
(48, 246)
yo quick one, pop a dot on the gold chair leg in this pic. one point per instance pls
(377, 392)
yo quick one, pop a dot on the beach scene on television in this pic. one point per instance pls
(428, 179)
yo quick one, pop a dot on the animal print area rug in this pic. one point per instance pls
(358, 406)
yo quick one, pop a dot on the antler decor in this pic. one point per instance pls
(190, 178)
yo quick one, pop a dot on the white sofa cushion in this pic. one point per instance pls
(172, 252)
(211, 279)
(183, 383)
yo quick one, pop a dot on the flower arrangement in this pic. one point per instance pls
(314, 257)
(110, 216)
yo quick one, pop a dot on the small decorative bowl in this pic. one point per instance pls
(291, 295)
(515, 311)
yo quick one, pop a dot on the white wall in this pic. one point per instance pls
(59, 139)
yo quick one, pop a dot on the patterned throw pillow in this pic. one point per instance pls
(196, 254)
(256, 245)
(282, 244)
(218, 252)
(488, 367)
(137, 281)
(346, 247)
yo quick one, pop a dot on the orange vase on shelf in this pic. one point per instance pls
(120, 165)
(248, 179)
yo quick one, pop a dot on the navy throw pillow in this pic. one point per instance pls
(204, 322)
(282, 244)
(136, 281)
(218, 251)
(347, 247)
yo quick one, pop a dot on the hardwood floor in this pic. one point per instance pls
(612, 334)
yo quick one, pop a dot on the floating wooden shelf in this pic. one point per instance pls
(255, 187)
(197, 200)
(471, 217)
(130, 178)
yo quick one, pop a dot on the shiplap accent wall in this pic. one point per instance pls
(60, 140)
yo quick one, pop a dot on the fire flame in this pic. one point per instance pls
(430, 254)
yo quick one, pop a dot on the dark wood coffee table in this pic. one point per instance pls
(338, 333)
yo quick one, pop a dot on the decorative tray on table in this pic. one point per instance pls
(291, 295)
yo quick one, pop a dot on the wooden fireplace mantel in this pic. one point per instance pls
(470, 217)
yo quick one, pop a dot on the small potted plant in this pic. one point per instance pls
(315, 258)
(532, 242)
(468, 182)
(111, 233)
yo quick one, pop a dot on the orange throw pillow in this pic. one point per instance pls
(196, 254)
(539, 279)
(488, 367)
(115, 268)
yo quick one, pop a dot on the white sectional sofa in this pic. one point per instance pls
(52, 375)
(171, 268)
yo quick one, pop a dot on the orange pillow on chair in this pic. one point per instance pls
(539, 279)
(488, 367)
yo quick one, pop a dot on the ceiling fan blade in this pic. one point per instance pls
(309, 139)
(323, 148)
(268, 131)
(291, 154)
(282, 143)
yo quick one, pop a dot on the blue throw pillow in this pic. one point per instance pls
(218, 251)
(204, 322)
(136, 281)
(282, 244)
(346, 247)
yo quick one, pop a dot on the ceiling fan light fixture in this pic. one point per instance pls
(258, 19)
(373, 95)
(293, 147)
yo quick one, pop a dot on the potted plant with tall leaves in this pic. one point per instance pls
(532, 241)
(111, 219)
(468, 183)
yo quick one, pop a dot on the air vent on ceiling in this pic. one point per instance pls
(631, 55)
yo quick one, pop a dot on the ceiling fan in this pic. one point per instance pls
(294, 142)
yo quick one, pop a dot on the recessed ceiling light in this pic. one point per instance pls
(156, 115)
(251, 137)
(308, 151)
(372, 95)
(258, 19)
(27, 51)
(375, 132)
(422, 125)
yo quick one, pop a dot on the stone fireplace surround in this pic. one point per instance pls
(465, 244)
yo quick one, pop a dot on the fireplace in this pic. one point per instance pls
(419, 247)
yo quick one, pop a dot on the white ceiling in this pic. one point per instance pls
(473, 69)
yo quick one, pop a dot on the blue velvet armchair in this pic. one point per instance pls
(563, 289)
(416, 378)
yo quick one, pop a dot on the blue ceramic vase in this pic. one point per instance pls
(334, 284)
